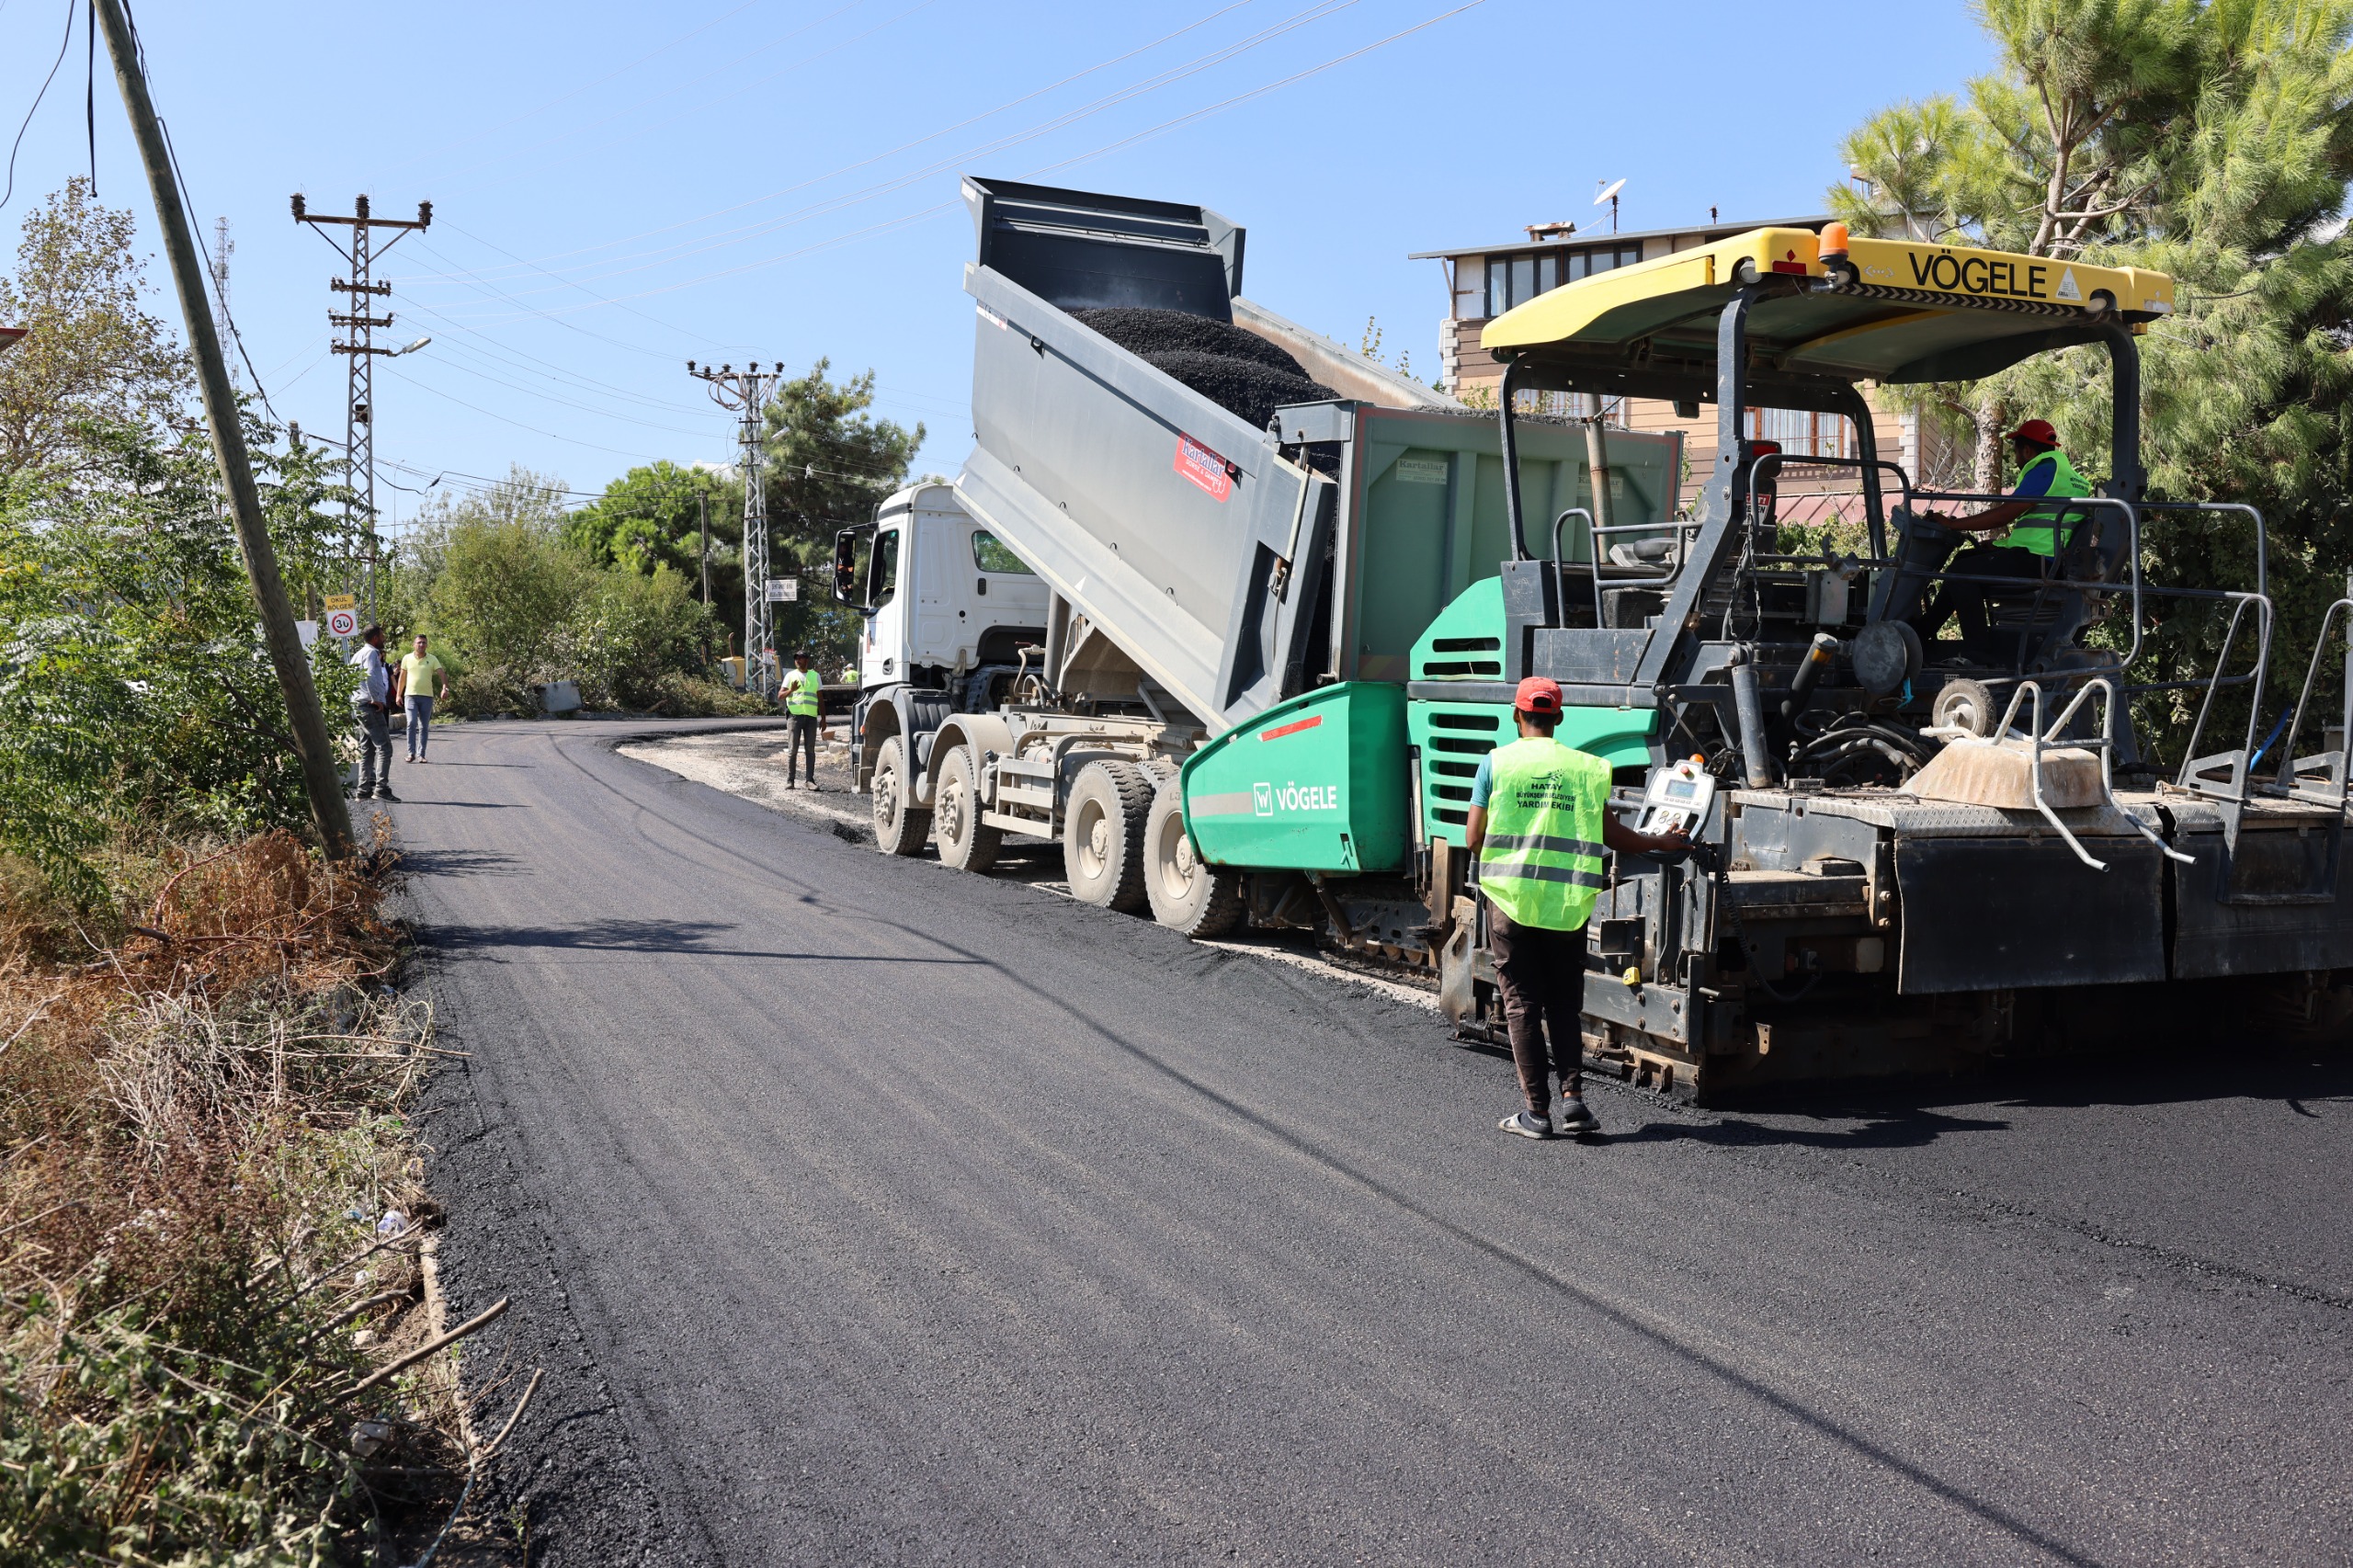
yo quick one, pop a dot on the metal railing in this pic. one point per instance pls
(2042, 737)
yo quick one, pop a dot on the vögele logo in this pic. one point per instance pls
(1295, 797)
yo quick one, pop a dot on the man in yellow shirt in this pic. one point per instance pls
(419, 672)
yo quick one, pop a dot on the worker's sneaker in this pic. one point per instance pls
(1573, 1117)
(363, 794)
(1528, 1124)
(386, 794)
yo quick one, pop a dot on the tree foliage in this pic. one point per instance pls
(92, 350)
(829, 461)
(133, 685)
(517, 594)
(654, 516)
(2210, 140)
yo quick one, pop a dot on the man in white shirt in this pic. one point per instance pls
(372, 705)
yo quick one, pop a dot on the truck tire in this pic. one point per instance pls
(1188, 894)
(900, 825)
(1103, 835)
(965, 842)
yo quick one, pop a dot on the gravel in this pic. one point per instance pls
(1240, 372)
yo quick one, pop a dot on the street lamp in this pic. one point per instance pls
(412, 347)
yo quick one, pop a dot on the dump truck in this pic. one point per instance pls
(1192, 572)
(1271, 660)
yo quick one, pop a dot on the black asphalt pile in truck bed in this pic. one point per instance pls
(1241, 372)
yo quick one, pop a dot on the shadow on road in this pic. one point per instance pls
(1901, 1115)
(461, 863)
(618, 935)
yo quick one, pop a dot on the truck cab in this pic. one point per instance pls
(947, 607)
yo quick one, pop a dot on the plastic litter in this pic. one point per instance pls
(393, 1223)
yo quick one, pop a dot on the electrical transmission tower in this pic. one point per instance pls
(359, 430)
(747, 391)
(222, 248)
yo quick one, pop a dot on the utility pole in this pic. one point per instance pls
(747, 391)
(359, 427)
(702, 518)
(321, 778)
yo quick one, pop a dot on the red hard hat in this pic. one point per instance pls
(2038, 431)
(1538, 694)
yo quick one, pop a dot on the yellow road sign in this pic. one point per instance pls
(341, 601)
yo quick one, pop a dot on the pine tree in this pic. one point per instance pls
(2210, 141)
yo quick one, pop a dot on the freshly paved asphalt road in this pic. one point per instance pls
(865, 1212)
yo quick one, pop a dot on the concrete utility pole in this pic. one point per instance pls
(702, 520)
(321, 780)
(747, 391)
(359, 427)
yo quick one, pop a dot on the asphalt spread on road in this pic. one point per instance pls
(864, 1211)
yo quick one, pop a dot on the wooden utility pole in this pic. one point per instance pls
(321, 780)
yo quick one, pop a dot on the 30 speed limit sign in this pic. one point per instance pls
(343, 623)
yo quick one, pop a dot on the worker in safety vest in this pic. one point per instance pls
(799, 695)
(2044, 474)
(1539, 819)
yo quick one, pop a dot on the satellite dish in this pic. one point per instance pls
(1610, 193)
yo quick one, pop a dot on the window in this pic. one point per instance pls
(1802, 434)
(991, 556)
(882, 572)
(1515, 279)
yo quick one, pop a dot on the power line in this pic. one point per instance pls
(669, 92)
(1260, 92)
(575, 92)
(461, 402)
(72, 8)
(907, 146)
(1318, 12)
(1165, 126)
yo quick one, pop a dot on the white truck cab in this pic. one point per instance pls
(948, 607)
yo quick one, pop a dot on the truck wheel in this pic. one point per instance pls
(964, 842)
(1103, 835)
(1188, 894)
(900, 825)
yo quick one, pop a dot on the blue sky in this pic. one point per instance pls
(618, 188)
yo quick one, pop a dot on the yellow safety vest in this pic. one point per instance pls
(800, 694)
(1541, 862)
(2035, 531)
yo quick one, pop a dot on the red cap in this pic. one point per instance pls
(2038, 431)
(1538, 694)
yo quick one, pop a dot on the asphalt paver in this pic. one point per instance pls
(864, 1211)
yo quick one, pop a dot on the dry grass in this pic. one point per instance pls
(201, 1127)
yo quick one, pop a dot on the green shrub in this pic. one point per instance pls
(135, 691)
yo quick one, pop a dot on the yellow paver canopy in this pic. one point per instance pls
(1885, 311)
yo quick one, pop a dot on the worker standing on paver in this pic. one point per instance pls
(799, 695)
(1539, 819)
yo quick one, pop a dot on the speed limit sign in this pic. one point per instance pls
(342, 623)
